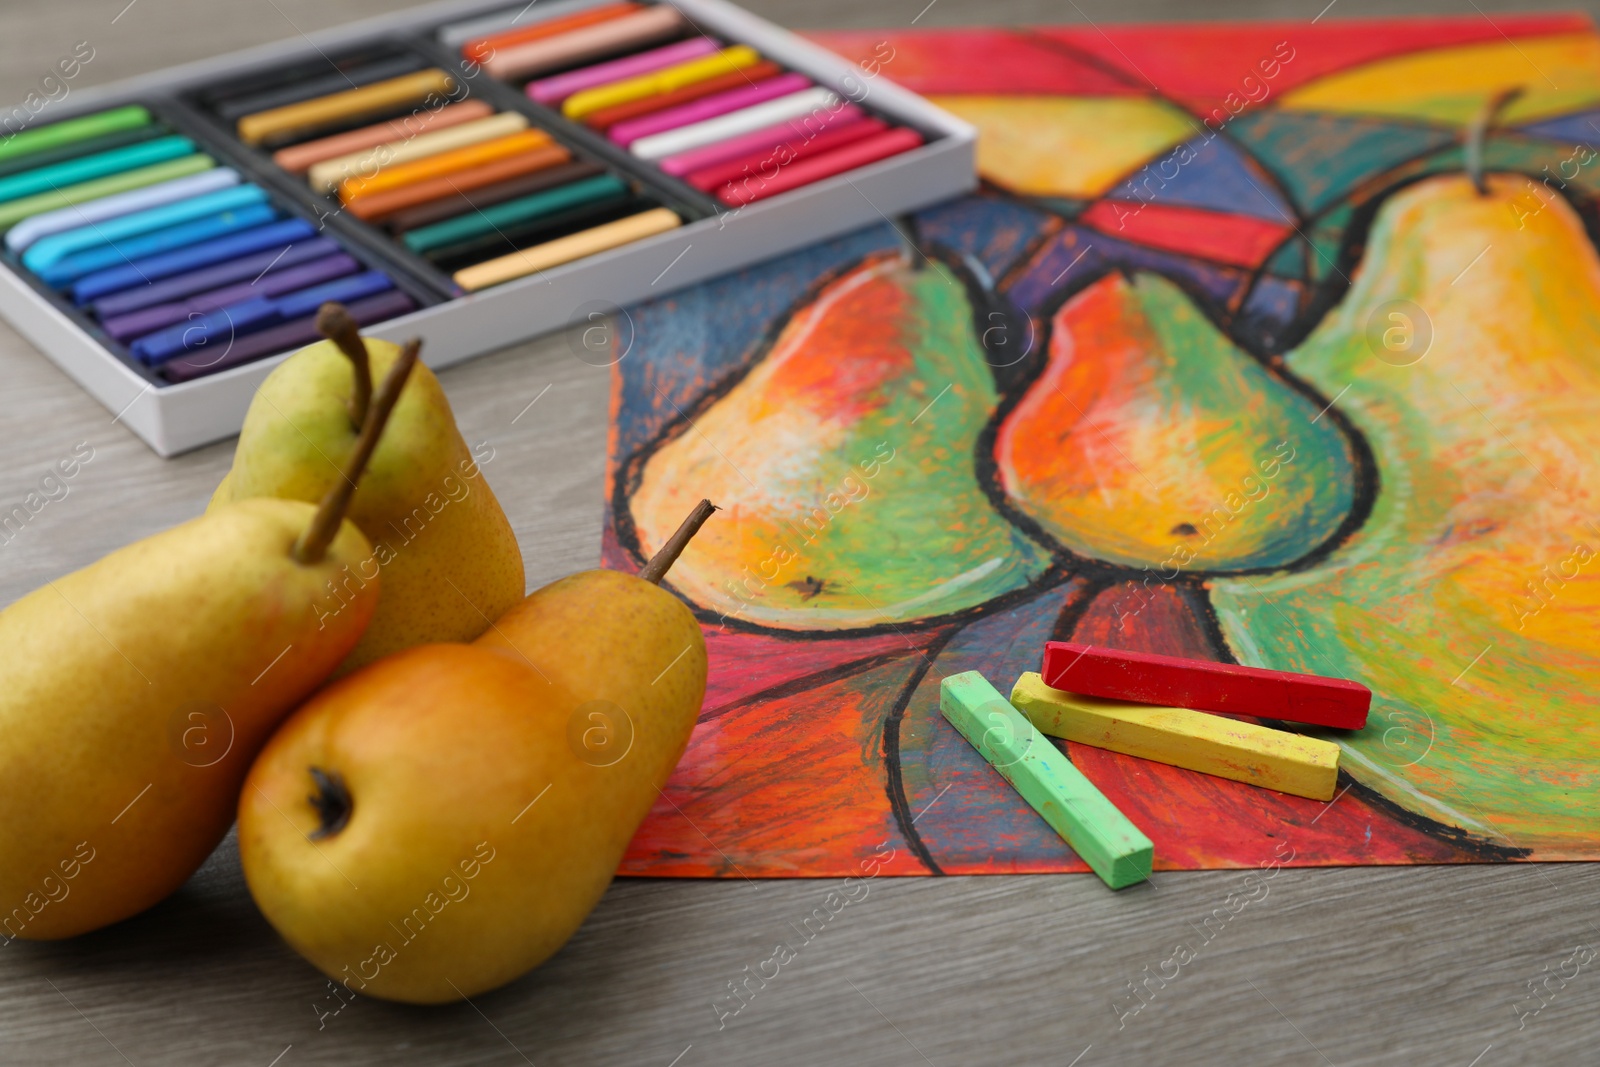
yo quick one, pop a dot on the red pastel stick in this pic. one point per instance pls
(1205, 686)
(790, 149)
(805, 171)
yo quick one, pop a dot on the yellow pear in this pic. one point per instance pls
(447, 553)
(135, 693)
(442, 821)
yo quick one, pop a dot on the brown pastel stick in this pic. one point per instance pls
(379, 206)
(591, 42)
(487, 196)
(350, 105)
(297, 159)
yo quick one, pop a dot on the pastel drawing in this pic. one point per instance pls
(1289, 362)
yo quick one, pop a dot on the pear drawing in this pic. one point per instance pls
(448, 556)
(843, 462)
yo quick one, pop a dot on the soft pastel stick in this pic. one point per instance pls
(1196, 740)
(300, 89)
(1205, 685)
(767, 138)
(242, 269)
(446, 163)
(198, 231)
(289, 335)
(297, 159)
(487, 196)
(273, 283)
(725, 103)
(537, 231)
(817, 101)
(29, 230)
(482, 46)
(1113, 847)
(87, 147)
(375, 207)
(608, 117)
(815, 168)
(88, 168)
(57, 199)
(57, 246)
(636, 30)
(348, 106)
(768, 159)
(252, 314)
(727, 61)
(552, 91)
(325, 177)
(73, 130)
(566, 249)
(494, 219)
(153, 268)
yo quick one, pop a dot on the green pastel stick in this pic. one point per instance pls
(98, 165)
(17, 210)
(59, 133)
(512, 212)
(1111, 845)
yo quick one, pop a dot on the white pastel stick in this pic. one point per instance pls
(326, 176)
(735, 123)
(71, 217)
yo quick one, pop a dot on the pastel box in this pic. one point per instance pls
(455, 325)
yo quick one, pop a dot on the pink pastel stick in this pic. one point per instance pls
(625, 133)
(558, 88)
(758, 141)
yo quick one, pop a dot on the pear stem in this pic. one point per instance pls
(313, 544)
(1478, 133)
(336, 324)
(659, 563)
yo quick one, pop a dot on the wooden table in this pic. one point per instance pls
(1413, 966)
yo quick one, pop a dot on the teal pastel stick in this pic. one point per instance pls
(73, 130)
(98, 165)
(1111, 845)
(512, 212)
(172, 239)
(49, 250)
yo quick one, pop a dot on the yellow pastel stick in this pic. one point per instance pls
(1196, 740)
(655, 83)
(566, 249)
(325, 177)
(349, 105)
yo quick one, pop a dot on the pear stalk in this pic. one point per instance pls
(1478, 133)
(330, 513)
(335, 323)
(659, 563)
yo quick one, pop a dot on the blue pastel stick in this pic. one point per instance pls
(244, 269)
(29, 230)
(253, 314)
(64, 271)
(143, 271)
(201, 330)
(44, 179)
(56, 247)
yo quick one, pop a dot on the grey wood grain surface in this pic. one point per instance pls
(1414, 966)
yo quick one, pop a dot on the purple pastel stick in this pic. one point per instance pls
(553, 90)
(242, 269)
(625, 133)
(275, 283)
(290, 335)
(757, 141)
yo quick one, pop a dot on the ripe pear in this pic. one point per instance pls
(442, 821)
(135, 693)
(448, 556)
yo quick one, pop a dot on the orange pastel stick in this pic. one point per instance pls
(484, 47)
(460, 159)
(379, 206)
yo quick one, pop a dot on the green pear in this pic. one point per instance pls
(442, 821)
(447, 553)
(135, 693)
